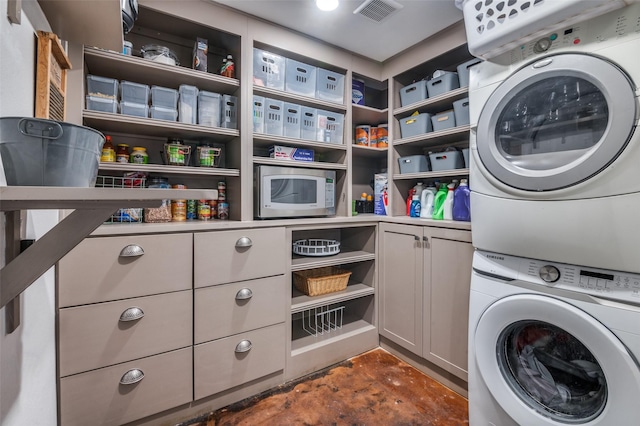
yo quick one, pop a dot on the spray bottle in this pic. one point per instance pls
(461, 202)
(438, 202)
(448, 203)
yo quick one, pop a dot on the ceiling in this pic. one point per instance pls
(414, 22)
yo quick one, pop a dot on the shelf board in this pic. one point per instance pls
(435, 104)
(125, 67)
(108, 122)
(451, 135)
(303, 100)
(363, 114)
(301, 302)
(264, 140)
(367, 151)
(160, 168)
(299, 263)
(293, 163)
(431, 175)
(303, 342)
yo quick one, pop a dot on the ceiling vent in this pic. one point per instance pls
(377, 10)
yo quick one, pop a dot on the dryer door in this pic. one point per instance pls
(547, 362)
(556, 122)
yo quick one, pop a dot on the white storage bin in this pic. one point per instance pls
(415, 125)
(161, 113)
(413, 164)
(308, 123)
(102, 87)
(330, 126)
(330, 86)
(101, 104)
(134, 93)
(443, 120)
(273, 117)
(413, 93)
(209, 108)
(258, 114)
(268, 69)
(443, 84)
(447, 160)
(137, 110)
(300, 78)
(463, 71)
(164, 97)
(188, 104)
(229, 112)
(291, 120)
(461, 111)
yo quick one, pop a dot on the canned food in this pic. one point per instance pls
(223, 211)
(214, 208)
(204, 210)
(179, 210)
(192, 210)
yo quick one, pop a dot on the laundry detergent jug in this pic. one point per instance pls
(461, 202)
(438, 202)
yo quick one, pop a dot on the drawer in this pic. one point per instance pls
(94, 336)
(95, 271)
(223, 310)
(219, 366)
(220, 257)
(98, 398)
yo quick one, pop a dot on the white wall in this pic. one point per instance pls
(27, 356)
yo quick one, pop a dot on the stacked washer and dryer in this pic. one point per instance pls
(554, 321)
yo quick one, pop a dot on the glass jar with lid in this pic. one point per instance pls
(122, 153)
(139, 155)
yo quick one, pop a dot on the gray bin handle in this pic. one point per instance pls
(29, 126)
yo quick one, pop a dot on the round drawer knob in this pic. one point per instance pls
(132, 376)
(244, 242)
(244, 346)
(132, 250)
(131, 314)
(244, 294)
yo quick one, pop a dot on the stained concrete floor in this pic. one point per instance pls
(374, 388)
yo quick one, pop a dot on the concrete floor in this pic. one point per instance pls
(374, 388)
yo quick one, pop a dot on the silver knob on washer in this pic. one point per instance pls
(549, 273)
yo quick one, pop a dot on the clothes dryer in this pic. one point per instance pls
(552, 344)
(555, 149)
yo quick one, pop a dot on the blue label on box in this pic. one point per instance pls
(357, 92)
(285, 152)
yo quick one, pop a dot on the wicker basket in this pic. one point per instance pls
(314, 282)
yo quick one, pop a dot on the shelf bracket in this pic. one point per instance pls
(14, 11)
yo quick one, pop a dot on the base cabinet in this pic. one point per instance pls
(425, 275)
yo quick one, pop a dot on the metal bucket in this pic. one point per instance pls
(39, 152)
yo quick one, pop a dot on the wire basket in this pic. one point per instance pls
(322, 320)
(497, 26)
(316, 247)
(314, 282)
(124, 215)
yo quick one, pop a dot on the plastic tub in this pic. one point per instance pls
(415, 125)
(209, 108)
(273, 117)
(188, 104)
(447, 160)
(102, 87)
(329, 86)
(330, 126)
(463, 71)
(308, 123)
(300, 78)
(38, 152)
(161, 113)
(443, 120)
(268, 69)
(291, 120)
(137, 110)
(102, 104)
(413, 164)
(258, 114)
(229, 112)
(413, 93)
(164, 97)
(461, 111)
(134, 93)
(442, 84)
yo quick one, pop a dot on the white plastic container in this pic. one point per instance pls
(134, 109)
(300, 78)
(291, 120)
(330, 127)
(229, 112)
(164, 97)
(188, 104)
(268, 69)
(258, 114)
(273, 117)
(134, 93)
(330, 86)
(308, 123)
(426, 202)
(209, 109)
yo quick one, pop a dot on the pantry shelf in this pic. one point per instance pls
(302, 100)
(431, 175)
(435, 104)
(301, 302)
(293, 163)
(264, 140)
(302, 342)
(363, 114)
(299, 263)
(448, 136)
(367, 151)
(161, 168)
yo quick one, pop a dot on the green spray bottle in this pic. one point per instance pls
(438, 202)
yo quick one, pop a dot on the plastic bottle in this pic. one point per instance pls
(438, 202)
(461, 202)
(230, 68)
(223, 67)
(415, 205)
(418, 188)
(108, 151)
(448, 203)
(409, 200)
(426, 202)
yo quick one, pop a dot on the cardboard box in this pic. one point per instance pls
(289, 153)
(380, 194)
(357, 92)
(200, 50)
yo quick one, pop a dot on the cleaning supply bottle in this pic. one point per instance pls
(426, 202)
(409, 200)
(438, 202)
(448, 203)
(417, 190)
(461, 202)
(415, 205)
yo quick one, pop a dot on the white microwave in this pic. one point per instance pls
(293, 192)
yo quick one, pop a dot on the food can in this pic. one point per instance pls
(383, 136)
(363, 134)
(204, 210)
(214, 208)
(192, 210)
(179, 210)
(223, 211)
(373, 137)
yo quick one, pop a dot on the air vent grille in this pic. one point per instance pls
(377, 10)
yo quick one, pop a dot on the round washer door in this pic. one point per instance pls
(556, 122)
(547, 362)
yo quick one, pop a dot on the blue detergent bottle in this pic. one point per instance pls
(461, 202)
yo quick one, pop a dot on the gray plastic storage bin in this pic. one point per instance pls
(443, 84)
(134, 93)
(447, 160)
(330, 125)
(164, 97)
(413, 164)
(463, 71)
(268, 69)
(413, 93)
(461, 111)
(415, 125)
(209, 108)
(273, 117)
(160, 113)
(229, 112)
(188, 104)
(103, 87)
(330, 86)
(308, 123)
(443, 120)
(465, 155)
(258, 114)
(137, 110)
(300, 78)
(291, 120)
(102, 104)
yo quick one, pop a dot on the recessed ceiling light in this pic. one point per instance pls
(327, 5)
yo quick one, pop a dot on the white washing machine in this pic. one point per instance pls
(552, 344)
(555, 149)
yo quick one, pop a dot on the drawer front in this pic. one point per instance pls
(228, 309)
(217, 365)
(95, 271)
(219, 257)
(94, 336)
(98, 398)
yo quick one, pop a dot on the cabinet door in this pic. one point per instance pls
(400, 292)
(447, 273)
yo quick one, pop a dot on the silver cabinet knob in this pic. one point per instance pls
(132, 376)
(244, 294)
(549, 273)
(244, 242)
(244, 346)
(132, 250)
(415, 237)
(131, 314)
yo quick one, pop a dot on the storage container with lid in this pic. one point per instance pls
(135, 109)
(160, 113)
(134, 93)
(102, 87)
(161, 54)
(268, 69)
(95, 103)
(164, 97)
(188, 104)
(209, 108)
(139, 155)
(300, 78)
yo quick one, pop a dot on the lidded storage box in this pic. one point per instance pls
(330, 86)
(134, 93)
(413, 93)
(308, 123)
(188, 104)
(95, 103)
(273, 117)
(164, 97)
(209, 108)
(300, 78)
(268, 69)
(443, 120)
(134, 109)
(442, 84)
(102, 87)
(415, 125)
(160, 113)
(413, 164)
(447, 160)
(291, 120)
(229, 113)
